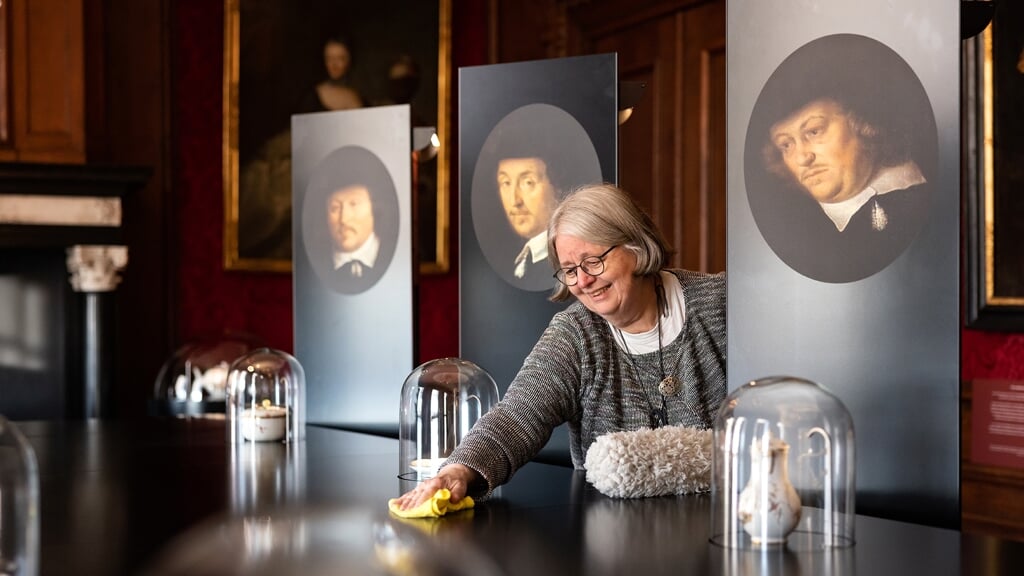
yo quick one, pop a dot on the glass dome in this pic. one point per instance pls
(783, 467)
(19, 503)
(266, 398)
(194, 379)
(441, 400)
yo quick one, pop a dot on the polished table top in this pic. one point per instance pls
(170, 496)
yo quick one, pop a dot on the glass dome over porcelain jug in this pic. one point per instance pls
(783, 467)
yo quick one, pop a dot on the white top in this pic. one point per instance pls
(671, 325)
(887, 180)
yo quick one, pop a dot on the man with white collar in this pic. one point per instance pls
(864, 196)
(528, 198)
(356, 245)
(350, 217)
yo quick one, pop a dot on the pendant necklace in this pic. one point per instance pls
(669, 384)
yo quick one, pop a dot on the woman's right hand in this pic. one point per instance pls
(455, 477)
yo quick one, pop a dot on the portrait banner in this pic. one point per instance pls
(351, 207)
(529, 133)
(843, 235)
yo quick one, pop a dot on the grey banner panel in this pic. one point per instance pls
(564, 112)
(353, 328)
(874, 320)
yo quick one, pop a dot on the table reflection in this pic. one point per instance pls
(355, 541)
(267, 475)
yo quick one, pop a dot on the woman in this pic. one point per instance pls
(641, 347)
(334, 92)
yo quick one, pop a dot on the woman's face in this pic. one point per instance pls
(613, 294)
(336, 59)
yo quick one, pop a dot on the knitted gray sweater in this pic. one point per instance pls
(577, 374)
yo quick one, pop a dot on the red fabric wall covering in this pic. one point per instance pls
(211, 300)
(991, 355)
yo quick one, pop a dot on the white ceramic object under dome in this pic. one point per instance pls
(264, 423)
(266, 399)
(783, 467)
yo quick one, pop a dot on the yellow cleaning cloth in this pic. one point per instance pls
(438, 505)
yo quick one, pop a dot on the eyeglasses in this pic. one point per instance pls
(593, 265)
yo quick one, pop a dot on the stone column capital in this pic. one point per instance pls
(96, 268)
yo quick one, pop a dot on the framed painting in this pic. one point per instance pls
(993, 205)
(283, 58)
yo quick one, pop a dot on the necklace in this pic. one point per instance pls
(669, 384)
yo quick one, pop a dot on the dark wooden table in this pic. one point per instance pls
(170, 496)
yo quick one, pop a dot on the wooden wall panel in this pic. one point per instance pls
(703, 149)
(138, 95)
(5, 80)
(649, 141)
(672, 149)
(47, 82)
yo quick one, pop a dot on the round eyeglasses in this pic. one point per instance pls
(592, 265)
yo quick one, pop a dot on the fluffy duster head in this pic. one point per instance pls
(644, 462)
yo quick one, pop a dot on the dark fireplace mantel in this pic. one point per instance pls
(63, 181)
(61, 249)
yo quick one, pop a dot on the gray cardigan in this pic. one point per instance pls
(577, 374)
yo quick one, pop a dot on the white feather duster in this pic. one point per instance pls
(645, 462)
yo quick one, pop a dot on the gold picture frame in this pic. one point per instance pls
(271, 215)
(992, 208)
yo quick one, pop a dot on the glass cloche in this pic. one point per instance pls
(194, 379)
(266, 398)
(783, 467)
(441, 400)
(19, 503)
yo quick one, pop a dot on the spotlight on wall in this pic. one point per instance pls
(630, 92)
(425, 142)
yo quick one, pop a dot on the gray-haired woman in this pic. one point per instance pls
(643, 346)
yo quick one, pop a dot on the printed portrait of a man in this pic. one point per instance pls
(350, 219)
(529, 161)
(840, 158)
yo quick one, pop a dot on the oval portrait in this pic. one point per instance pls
(350, 219)
(529, 161)
(840, 158)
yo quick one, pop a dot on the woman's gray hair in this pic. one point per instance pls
(605, 214)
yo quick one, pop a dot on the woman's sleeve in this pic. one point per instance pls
(542, 396)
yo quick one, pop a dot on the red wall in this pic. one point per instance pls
(991, 355)
(212, 300)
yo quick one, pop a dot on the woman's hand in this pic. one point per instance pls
(455, 477)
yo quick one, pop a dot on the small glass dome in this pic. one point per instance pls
(783, 467)
(441, 400)
(193, 380)
(266, 398)
(19, 503)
